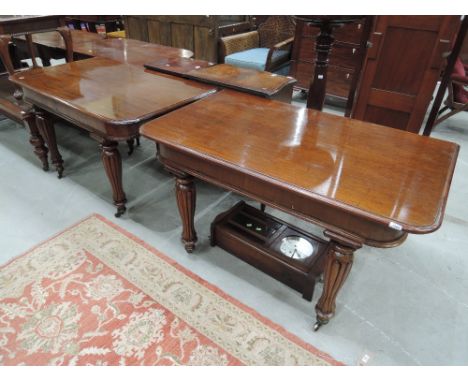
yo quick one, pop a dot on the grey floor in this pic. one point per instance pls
(402, 306)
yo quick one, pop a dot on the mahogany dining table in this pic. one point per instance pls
(110, 94)
(364, 184)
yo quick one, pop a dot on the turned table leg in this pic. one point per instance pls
(337, 267)
(36, 140)
(186, 200)
(113, 165)
(47, 130)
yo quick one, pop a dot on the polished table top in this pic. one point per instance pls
(256, 82)
(260, 82)
(382, 174)
(124, 50)
(178, 66)
(110, 94)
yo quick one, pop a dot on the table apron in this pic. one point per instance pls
(288, 200)
(82, 120)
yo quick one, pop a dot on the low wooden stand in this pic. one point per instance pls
(255, 237)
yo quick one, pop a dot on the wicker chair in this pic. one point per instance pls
(268, 48)
(11, 96)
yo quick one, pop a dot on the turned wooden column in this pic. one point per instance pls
(47, 130)
(113, 165)
(323, 44)
(186, 200)
(337, 267)
(36, 140)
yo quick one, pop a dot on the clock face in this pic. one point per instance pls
(296, 247)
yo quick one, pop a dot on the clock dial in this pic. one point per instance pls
(296, 247)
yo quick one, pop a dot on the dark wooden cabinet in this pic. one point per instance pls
(199, 34)
(25, 24)
(95, 23)
(344, 58)
(402, 69)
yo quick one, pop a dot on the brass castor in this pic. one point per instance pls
(120, 211)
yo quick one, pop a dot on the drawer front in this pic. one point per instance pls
(342, 55)
(338, 79)
(350, 33)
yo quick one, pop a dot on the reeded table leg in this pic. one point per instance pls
(186, 200)
(337, 267)
(113, 165)
(47, 130)
(36, 141)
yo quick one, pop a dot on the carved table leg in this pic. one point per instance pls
(186, 200)
(36, 140)
(113, 165)
(46, 128)
(337, 267)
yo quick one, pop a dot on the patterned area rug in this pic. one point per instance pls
(96, 295)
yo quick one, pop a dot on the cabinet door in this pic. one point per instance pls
(136, 28)
(196, 33)
(402, 68)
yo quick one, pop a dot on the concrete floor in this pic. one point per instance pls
(402, 306)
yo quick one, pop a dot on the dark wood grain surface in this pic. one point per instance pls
(258, 82)
(384, 175)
